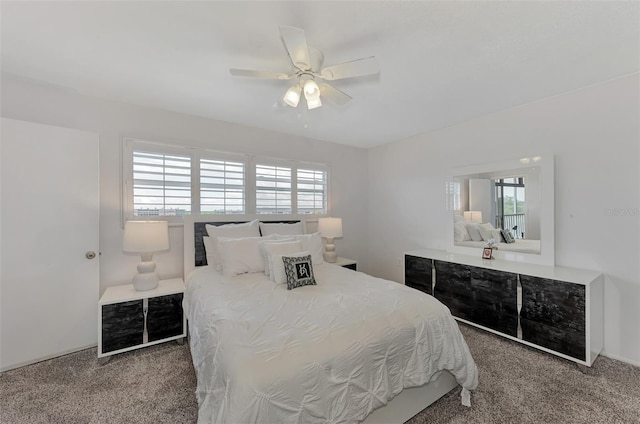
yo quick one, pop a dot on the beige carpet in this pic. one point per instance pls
(156, 385)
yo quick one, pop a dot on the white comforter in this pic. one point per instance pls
(333, 352)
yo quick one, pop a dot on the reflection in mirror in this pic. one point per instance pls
(508, 203)
(499, 202)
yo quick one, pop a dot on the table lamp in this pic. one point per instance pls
(145, 238)
(330, 228)
(473, 216)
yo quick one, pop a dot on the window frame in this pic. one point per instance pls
(130, 144)
(294, 165)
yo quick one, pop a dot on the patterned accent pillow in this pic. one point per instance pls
(508, 238)
(299, 270)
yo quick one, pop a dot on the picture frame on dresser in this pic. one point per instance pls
(487, 253)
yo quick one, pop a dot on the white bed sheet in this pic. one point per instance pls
(520, 245)
(333, 352)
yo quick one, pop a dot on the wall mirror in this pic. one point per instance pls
(510, 203)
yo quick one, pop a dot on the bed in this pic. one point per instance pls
(351, 348)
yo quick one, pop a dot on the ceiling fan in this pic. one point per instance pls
(307, 68)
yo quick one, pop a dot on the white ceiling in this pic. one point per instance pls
(441, 62)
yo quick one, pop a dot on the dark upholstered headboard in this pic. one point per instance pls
(200, 230)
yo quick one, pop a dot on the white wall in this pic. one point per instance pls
(593, 133)
(113, 120)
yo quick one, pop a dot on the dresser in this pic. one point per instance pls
(555, 309)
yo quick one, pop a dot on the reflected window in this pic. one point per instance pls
(510, 205)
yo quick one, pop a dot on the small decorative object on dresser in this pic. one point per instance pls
(347, 263)
(129, 319)
(487, 252)
(330, 228)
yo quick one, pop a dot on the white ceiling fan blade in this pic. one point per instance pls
(296, 43)
(259, 74)
(356, 68)
(336, 96)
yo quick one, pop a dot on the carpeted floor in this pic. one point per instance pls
(156, 385)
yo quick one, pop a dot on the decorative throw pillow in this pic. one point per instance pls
(241, 255)
(474, 232)
(299, 270)
(497, 236)
(484, 233)
(506, 235)
(460, 232)
(275, 252)
(246, 229)
(210, 249)
(313, 244)
(265, 252)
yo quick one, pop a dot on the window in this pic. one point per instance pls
(312, 191)
(291, 188)
(273, 189)
(161, 184)
(511, 205)
(221, 187)
(454, 195)
(166, 181)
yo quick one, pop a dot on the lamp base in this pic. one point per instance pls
(329, 255)
(146, 278)
(146, 281)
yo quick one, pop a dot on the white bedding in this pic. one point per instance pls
(333, 352)
(520, 246)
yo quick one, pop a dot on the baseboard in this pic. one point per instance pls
(35, 361)
(620, 358)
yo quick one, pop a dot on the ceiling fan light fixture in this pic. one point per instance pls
(306, 65)
(292, 96)
(311, 90)
(313, 103)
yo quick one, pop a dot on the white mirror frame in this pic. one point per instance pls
(547, 209)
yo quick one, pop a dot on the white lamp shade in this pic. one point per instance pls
(311, 90)
(145, 236)
(330, 227)
(292, 96)
(473, 216)
(314, 103)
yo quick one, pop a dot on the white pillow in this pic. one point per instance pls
(265, 254)
(458, 218)
(497, 236)
(485, 231)
(281, 228)
(240, 255)
(312, 243)
(460, 232)
(279, 274)
(209, 250)
(474, 232)
(278, 250)
(246, 229)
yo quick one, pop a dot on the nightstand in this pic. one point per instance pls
(346, 263)
(130, 319)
